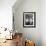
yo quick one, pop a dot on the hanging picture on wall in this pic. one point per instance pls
(29, 19)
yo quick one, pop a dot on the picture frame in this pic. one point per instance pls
(29, 19)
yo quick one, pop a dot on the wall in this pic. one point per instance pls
(6, 13)
(43, 22)
(28, 6)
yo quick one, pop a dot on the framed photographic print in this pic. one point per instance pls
(29, 19)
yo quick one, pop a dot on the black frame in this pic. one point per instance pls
(34, 14)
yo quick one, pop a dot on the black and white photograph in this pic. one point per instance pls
(29, 19)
